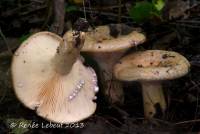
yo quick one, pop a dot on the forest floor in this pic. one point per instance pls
(180, 32)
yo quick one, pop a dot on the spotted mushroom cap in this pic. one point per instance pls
(151, 65)
(55, 97)
(110, 38)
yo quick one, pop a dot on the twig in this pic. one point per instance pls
(196, 85)
(15, 10)
(5, 41)
(185, 25)
(197, 107)
(121, 111)
(32, 10)
(156, 119)
(188, 21)
(109, 123)
(38, 1)
(105, 8)
(188, 121)
(104, 13)
(5, 54)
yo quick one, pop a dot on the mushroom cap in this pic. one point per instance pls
(55, 97)
(110, 38)
(151, 65)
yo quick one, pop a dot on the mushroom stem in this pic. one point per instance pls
(68, 52)
(112, 88)
(153, 98)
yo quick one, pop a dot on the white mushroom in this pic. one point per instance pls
(150, 68)
(49, 76)
(106, 44)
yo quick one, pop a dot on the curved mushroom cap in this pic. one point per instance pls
(56, 97)
(151, 65)
(111, 38)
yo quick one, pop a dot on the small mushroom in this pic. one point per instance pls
(107, 44)
(150, 68)
(53, 80)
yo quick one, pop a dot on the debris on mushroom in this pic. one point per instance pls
(49, 77)
(106, 44)
(150, 68)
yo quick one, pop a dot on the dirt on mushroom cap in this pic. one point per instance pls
(101, 40)
(151, 65)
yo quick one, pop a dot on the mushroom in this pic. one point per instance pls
(49, 77)
(106, 44)
(150, 68)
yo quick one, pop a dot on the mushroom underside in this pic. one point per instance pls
(55, 97)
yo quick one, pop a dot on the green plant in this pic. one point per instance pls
(158, 4)
(24, 37)
(145, 10)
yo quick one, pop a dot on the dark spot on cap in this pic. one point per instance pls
(167, 71)
(126, 29)
(99, 46)
(24, 61)
(57, 50)
(151, 63)
(35, 108)
(165, 56)
(119, 29)
(99, 41)
(156, 73)
(139, 66)
(114, 32)
(77, 39)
